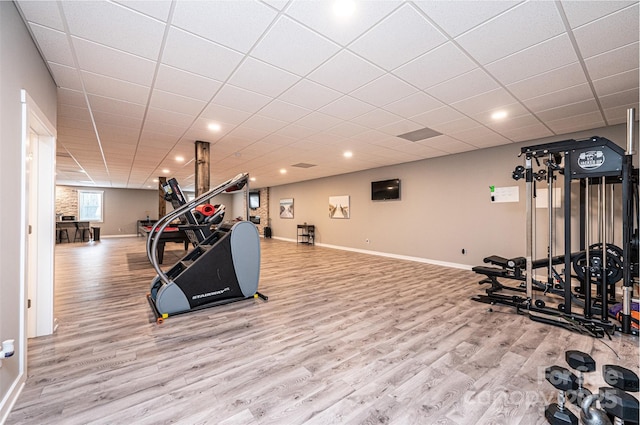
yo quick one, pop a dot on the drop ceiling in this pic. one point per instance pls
(290, 82)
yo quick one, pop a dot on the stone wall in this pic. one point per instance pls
(263, 210)
(66, 201)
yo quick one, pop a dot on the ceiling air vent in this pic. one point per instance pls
(422, 134)
(303, 165)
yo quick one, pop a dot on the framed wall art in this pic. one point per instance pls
(286, 208)
(339, 206)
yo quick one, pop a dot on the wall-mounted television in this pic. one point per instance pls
(385, 190)
(254, 200)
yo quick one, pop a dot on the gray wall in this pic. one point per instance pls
(21, 67)
(445, 206)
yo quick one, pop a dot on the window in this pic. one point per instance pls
(90, 205)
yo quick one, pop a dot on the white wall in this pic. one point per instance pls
(21, 67)
(445, 206)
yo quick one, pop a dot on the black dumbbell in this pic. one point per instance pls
(563, 380)
(619, 404)
(620, 377)
(582, 362)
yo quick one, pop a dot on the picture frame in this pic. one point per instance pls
(339, 207)
(286, 208)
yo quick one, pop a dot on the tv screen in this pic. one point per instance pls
(254, 200)
(385, 189)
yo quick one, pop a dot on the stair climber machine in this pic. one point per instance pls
(222, 267)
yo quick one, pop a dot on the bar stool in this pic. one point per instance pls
(62, 234)
(83, 231)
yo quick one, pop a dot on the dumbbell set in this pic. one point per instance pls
(617, 406)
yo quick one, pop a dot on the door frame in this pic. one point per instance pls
(38, 192)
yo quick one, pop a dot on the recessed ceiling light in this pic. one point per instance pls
(166, 171)
(252, 179)
(283, 171)
(498, 115)
(348, 154)
(214, 126)
(155, 180)
(344, 8)
(180, 158)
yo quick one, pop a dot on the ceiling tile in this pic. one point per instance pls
(185, 83)
(558, 98)
(263, 123)
(567, 111)
(346, 108)
(111, 87)
(399, 127)
(510, 123)
(115, 106)
(548, 55)
(262, 78)
(513, 31)
(284, 111)
(626, 22)
(456, 17)
(345, 72)
(289, 45)
(581, 12)
(627, 97)
(237, 98)
(436, 66)
(613, 62)
(548, 82)
(347, 129)
(45, 13)
(399, 38)
(224, 114)
(376, 118)
(103, 60)
(383, 90)
(414, 104)
(494, 99)
(235, 24)
(455, 126)
(158, 9)
(65, 76)
(481, 137)
(320, 16)
(309, 95)
(53, 45)
(317, 121)
(464, 86)
(618, 114)
(71, 97)
(437, 116)
(296, 131)
(532, 132)
(176, 103)
(616, 83)
(194, 54)
(115, 26)
(183, 121)
(576, 123)
(447, 144)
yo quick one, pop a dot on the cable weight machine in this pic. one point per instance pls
(597, 165)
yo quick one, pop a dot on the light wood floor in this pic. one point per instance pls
(344, 338)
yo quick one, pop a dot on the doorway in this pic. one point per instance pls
(39, 147)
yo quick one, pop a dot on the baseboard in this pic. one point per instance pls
(388, 255)
(118, 236)
(11, 397)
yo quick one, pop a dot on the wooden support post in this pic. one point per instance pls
(202, 167)
(162, 203)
